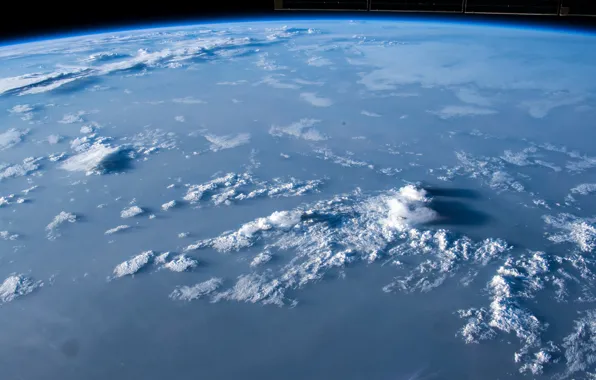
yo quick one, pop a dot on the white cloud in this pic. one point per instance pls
(29, 165)
(448, 112)
(189, 293)
(93, 160)
(117, 229)
(269, 64)
(227, 141)
(188, 100)
(308, 82)
(21, 108)
(181, 263)
(5, 235)
(11, 138)
(469, 61)
(168, 205)
(584, 189)
(54, 139)
(539, 109)
(235, 83)
(315, 100)
(17, 285)
(272, 81)
(41, 88)
(85, 129)
(371, 114)
(31, 80)
(60, 219)
(470, 96)
(260, 259)
(303, 129)
(132, 266)
(71, 118)
(130, 212)
(318, 61)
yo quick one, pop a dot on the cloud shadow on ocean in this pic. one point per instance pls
(333, 221)
(434, 191)
(454, 212)
(116, 162)
(78, 85)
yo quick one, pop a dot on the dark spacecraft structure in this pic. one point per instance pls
(561, 8)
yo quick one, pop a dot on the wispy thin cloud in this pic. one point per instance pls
(315, 100)
(449, 112)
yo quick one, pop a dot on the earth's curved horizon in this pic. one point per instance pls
(299, 199)
(474, 21)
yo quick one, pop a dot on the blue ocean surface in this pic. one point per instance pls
(299, 199)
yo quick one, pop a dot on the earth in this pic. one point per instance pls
(316, 199)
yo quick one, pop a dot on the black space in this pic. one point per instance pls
(29, 20)
(26, 20)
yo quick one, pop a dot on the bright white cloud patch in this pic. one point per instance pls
(131, 211)
(584, 189)
(5, 235)
(85, 129)
(134, 265)
(232, 187)
(189, 293)
(408, 207)
(313, 99)
(578, 231)
(260, 259)
(60, 219)
(189, 100)
(228, 141)
(25, 110)
(168, 205)
(54, 139)
(449, 112)
(11, 137)
(17, 285)
(117, 229)
(181, 263)
(370, 114)
(28, 166)
(71, 118)
(21, 108)
(303, 129)
(514, 281)
(579, 345)
(174, 56)
(97, 159)
(232, 83)
(28, 80)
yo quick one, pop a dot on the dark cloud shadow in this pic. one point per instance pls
(452, 212)
(117, 162)
(435, 191)
(79, 85)
(333, 221)
(80, 219)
